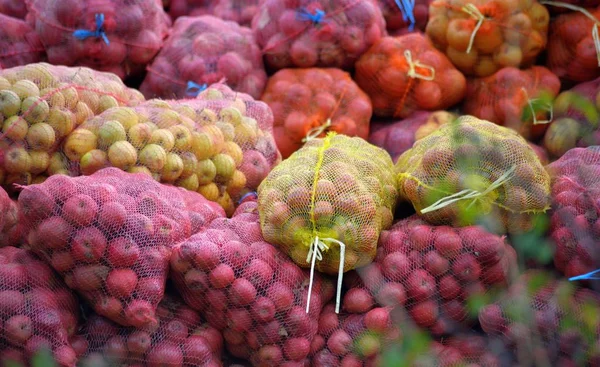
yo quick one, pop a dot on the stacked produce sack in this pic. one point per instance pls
(405, 74)
(323, 33)
(306, 103)
(12, 8)
(19, 44)
(405, 15)
(10, 229)
(114, 35)
(203, 50)
(239, 11)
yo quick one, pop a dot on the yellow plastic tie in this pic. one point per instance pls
(475, 13)
(314, 254)
(413, 65)
(533, 113)
(316, 131)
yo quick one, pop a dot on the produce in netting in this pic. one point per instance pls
(306, 103)
(398, 137)
(239, 11)
(37, 310)
(11, 230)
(250, 291)
(469, 349)
(405, 74)
(326, 204)
(13, 8)
(472, 170)
(201, 51)
(541, 153)
(109, 235)
(483, 36)
(110, 35)
(19, 44)
(322, 33)
(40, 104)
(403, 16)
(180, 337)
(557, 7)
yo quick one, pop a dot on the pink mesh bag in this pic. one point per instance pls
(201, 51)
(11, 230)
(465, 349)
(109, 235)
(239, 11)
(403, 16)
(322, 33)
(108, 35)
(19, 44)
(180, 337)
(12, 8)
(36, 308)
(250, 291)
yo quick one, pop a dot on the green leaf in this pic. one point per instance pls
(43, 359)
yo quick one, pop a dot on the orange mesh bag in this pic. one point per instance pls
(404, 74)
(12, 8)
(402, 16)
(109, 235)
(107, 35)
(203, 50)
(321, 33)
(37, 311)
(250, 291)
(40, 104)
(306, 103)
(518, 99)
(473, 170)
(19, 44)
(482, 36)
(239, 11)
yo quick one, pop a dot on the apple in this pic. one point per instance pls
(17, 160)
(122, 155)
(15, 128)
(18, 329)
(90, 277)
(80, 210)
(88, 245)
(79, 142)
(255, 167)
(53, 233)
(121, 283)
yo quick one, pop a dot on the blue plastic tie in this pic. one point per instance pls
(251, 193)
(193, 89)
(587, 276)
(98, 33)
(315, 18)
(407, 8)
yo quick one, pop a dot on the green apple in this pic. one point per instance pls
(190, 164)
(10, 103)
(202, 145)
(17, 160)
(106, 102)
(122, 155)
(62, 121)
(93, 161)
(15, 128)
(127, 116)
(225, 166)
(34, 109)
(154, 157)
(41, 136)
(25, 88)
(39, 161)
(206, 171)
(189, 183)
(164, 138)
(111, 132)
(79, 142)
(172, 168)
(183, 137)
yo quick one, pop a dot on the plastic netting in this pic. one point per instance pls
(40, 104)
(19, 44)
(406, 73)
(201, 51)
(12, 8)
(306, 103)
(109, 235)
(482, 36)
(323, 33)
(108, 35)
(239, 11)
(37, 310)
(250, 291)
(511, 97)
(473, 170)
(11, 230)
(402, 16)
(180, 337)
(398, 137)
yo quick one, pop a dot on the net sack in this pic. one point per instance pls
(541, 153)
(40, 104)
(239, 11)
(250, 291)
(473, 170)
(518, 99)
(12, 8)
(480, 37)
(109, 235)
(201, 51)
(117, 36)
(180, 337)
(19, 44)
(11, 230)
(403, 16)
(37, 310)
(405, 74)
(307, 103)
(321, 33)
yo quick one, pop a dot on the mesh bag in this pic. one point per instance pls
(323, 33)
(483, 36)
(13, 8)
(402, 16)
(203, 50)
(307, 103)
(250, 291)
(398, 137)
(40, 104)
(180, 337)
(404, 74)
(108, 35)
(19, 44)
(558, 7)
(468, 349)
(541, 153)
(37, 310)
(11, 230)
(473, 170)
(513, 98)
(239, 11)
(109, 235)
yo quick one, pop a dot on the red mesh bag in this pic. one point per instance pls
(468, 349)
(250, 291)
(511, 97)
(19, 44)
(11, 230)
(402, 16)
(483, 36)
(322, 33)
(307, 103)
(109, 235)
(239, 11)
(203, 50)
(180, 337)
(37, 310)
(404, 74)
(107, 35)
(13, 8)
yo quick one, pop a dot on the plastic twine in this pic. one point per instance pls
(193, 89)
(413, 65)
(315, 18)
(475, 13)
(586, 276)
(316, 131)
(407, 8)
(314, 254)
(247, 195)
(82, 34)
(533, 112)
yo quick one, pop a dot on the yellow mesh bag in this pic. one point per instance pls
(472, 170)
(326, 204)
